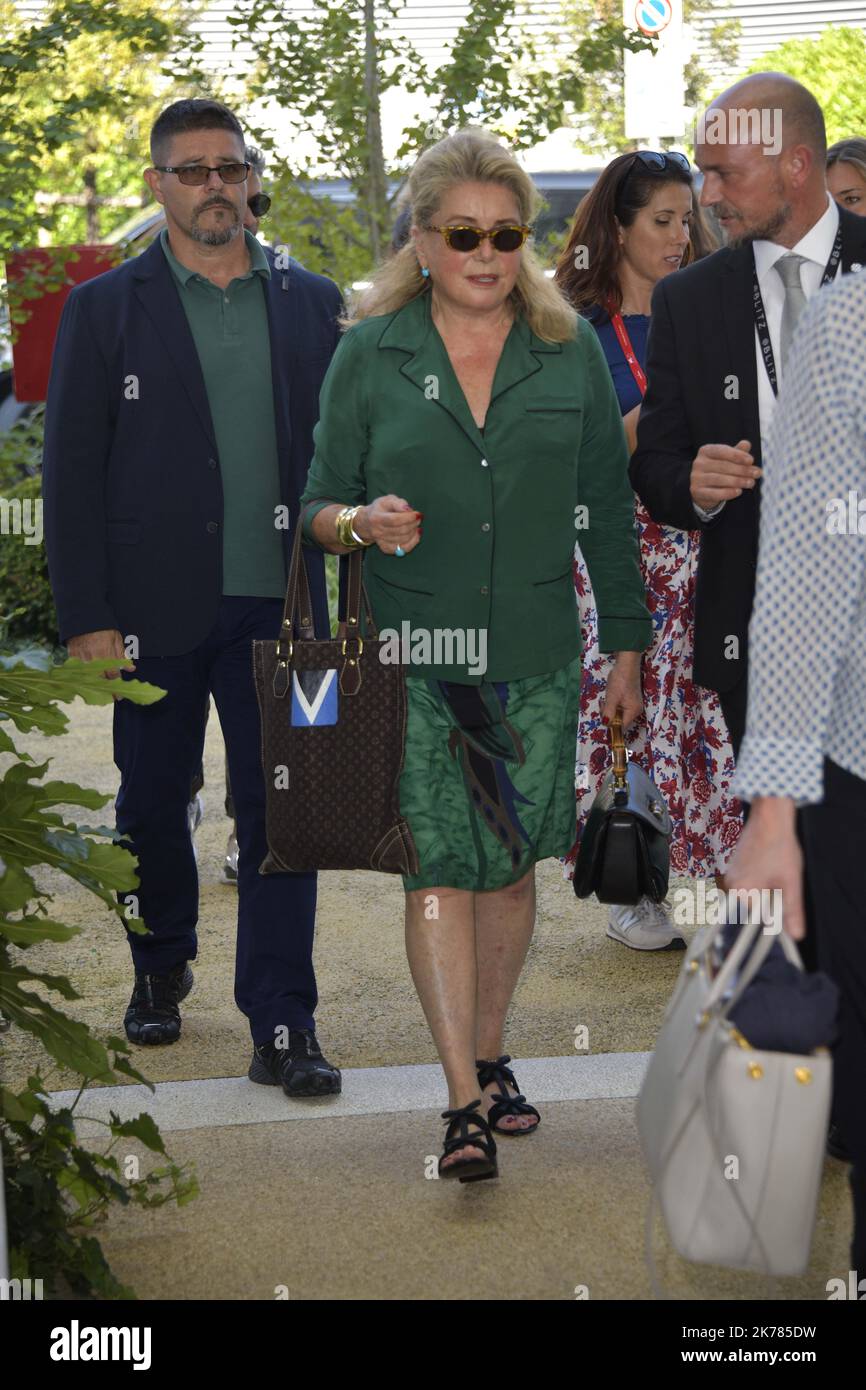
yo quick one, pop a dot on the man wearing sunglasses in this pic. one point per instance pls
(258, 203)
(181, 406)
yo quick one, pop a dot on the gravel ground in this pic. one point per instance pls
(368, 1012)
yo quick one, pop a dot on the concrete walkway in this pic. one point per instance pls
(337, 1198)
(334, 1200)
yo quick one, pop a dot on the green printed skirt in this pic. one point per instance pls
(488, 777)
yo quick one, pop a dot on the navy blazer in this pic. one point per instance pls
(702, 330)
(132, 492)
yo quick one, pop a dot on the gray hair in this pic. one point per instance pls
(255, 159)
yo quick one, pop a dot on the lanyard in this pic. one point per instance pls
(624, 341)
(761, 316)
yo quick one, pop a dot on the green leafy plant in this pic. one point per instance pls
(21, 451)
(23, 562)
(58, 1191)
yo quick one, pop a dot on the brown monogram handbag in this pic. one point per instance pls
(333, 719)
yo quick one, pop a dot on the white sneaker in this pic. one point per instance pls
(230, 866)
(646, 926)
(195, 816)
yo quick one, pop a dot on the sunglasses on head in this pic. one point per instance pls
(654, 162)
(470, 238)
(193, 175)
(259, 204)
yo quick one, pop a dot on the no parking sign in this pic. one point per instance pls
(652, 16)
(654, 84)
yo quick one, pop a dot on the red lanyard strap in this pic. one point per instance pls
(628, 352)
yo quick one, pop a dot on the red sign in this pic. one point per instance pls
(34, 338)
(652, 16)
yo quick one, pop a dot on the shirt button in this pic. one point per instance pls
(484, 589)
(212, 526)
(485, 525)
(484, 463)
(211, 463)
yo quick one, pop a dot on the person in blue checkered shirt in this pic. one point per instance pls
(805, 742)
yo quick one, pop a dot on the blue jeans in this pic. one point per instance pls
(158, 749)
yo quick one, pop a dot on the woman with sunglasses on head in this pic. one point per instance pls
(466, 416)
(633, 228)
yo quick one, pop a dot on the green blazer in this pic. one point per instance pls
(502, 507)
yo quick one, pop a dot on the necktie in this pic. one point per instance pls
(788, 267)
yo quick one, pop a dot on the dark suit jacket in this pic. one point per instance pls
(133, 502)
(702, 333)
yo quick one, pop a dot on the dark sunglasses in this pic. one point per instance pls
(259, 204)
(470, 238)
(193, 175)
(658, 163)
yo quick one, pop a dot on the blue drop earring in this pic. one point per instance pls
(425, 272)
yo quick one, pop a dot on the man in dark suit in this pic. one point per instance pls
(183, 396)
(716, 348)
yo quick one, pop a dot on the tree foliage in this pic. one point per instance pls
(79, 87)
(329, 72)
(832, 67)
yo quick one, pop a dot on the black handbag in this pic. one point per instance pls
(624, 853)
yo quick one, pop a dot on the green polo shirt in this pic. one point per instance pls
(230, 332)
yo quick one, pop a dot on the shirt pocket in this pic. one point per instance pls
(557, 578)
(553, 428)
(399, 589)
(566, 403)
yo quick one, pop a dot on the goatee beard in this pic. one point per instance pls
(214, 236)
(767, 231)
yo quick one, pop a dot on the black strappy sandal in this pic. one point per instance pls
(457, 1136)
(505, 1104)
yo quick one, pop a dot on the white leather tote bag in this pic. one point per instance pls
(734, 1138)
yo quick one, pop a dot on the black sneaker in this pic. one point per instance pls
(153, 1015)
(300, 1068)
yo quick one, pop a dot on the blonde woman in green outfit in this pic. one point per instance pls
(469, 420)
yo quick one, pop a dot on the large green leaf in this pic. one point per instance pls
(21, 973)
(70, 794)
(17, 888)
(143, 1127)
(72, 1182)
(29, 697)
(22, 1106)
(121, 1064)
(67, 1040)
(27, 930)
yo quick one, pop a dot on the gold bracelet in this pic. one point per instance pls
(340, 526)
(345, 532)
